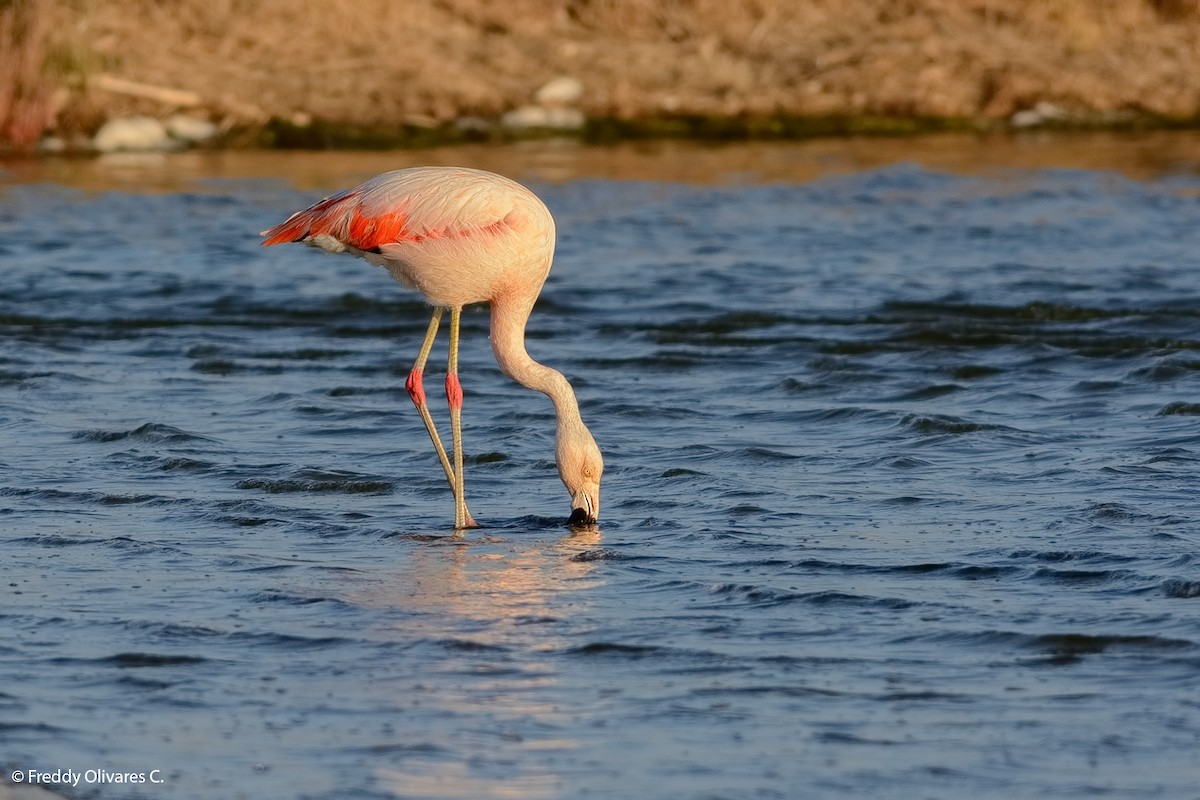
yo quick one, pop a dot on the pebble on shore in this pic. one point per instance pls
(553, 108)
(146, 134)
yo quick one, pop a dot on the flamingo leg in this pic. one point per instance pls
(416, 391)
(454, 395)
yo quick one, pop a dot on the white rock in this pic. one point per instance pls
(190, 129)
(1040, 114)
(51, 144)
(471, 124)
(524, 117)
(131, 133)
(527, 117)
(562, 91)
(564, 119)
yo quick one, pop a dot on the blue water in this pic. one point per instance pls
(900, 496)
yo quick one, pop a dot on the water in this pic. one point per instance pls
(900, 496)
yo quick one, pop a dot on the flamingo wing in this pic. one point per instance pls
(410, 205)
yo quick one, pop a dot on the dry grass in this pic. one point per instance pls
(387, 62)
(27, 93)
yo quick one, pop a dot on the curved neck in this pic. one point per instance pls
(508, 344)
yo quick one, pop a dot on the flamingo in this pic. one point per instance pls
(461, 236)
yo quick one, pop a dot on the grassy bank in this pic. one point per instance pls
(379, 72)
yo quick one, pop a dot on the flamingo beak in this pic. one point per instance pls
(585, 506)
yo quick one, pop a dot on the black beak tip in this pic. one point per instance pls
(580, 517)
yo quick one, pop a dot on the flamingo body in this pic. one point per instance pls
(458, 236)
(461, 236)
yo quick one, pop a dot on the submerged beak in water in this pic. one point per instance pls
(585, 506)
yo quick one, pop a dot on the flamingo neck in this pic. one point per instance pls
(508, 344)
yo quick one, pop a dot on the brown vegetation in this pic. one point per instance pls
(387, 62)
(26, 90)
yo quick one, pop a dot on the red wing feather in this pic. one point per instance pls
(367, 233)
(340, 216)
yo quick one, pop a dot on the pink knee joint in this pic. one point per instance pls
(454, 393)
(415, 388)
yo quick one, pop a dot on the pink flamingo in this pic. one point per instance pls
(462, 236)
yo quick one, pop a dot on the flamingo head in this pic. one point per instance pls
(580, 466)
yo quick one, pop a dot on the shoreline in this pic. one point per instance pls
(319, 134)
(283, 135)
(377, 73)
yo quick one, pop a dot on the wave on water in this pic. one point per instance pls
(317, 480)
(150, 432)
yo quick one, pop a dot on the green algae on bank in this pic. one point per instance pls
(330, 135)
